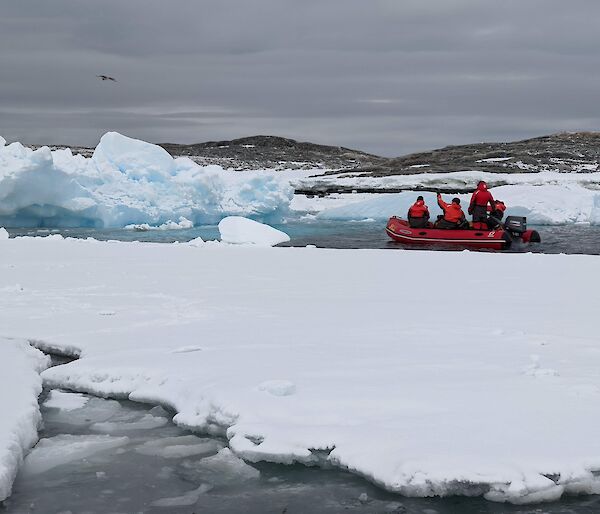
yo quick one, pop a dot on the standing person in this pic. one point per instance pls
(418, 214)
(454, 217)
(478, 206)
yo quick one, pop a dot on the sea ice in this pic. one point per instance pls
(390, 381)
(183, 223)
(185, 500)
(20, 385)
(63, 400)
(220, 469)
(179, 447)
(62, 449)
(147, 422)
(92, 411)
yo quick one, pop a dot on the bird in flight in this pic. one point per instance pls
(106, 77)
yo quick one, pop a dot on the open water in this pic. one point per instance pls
(572, 239)
(161, 468)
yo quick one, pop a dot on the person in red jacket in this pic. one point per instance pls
(478, 206)
(495, 216)
(418, 214)
(453, 217)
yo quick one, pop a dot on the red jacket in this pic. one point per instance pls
(452, 211)
(418, 210)
(481, 197)
(498, 206)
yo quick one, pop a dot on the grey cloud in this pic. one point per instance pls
(384, 76)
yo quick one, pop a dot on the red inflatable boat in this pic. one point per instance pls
(514, 229)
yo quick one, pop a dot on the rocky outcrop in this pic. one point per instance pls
(565, 152)
(258, 152)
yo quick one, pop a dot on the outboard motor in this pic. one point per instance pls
(516, 225)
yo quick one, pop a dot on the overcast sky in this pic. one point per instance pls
(384, 76)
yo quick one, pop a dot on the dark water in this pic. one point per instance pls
(127, 480)
(572, 239)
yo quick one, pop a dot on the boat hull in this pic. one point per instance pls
(399, 230)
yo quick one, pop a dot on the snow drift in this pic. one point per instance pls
(127, 182)
(313, 356)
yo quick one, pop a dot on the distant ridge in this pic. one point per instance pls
(563, 152)
(272, 152)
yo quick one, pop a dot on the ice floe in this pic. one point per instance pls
(346, 358)
(61, 449)
(65, 401)
(179, 447)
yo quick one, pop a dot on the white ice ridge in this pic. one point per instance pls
(20, 385)
(425, 372)
(127, 182)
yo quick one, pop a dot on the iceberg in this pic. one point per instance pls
(129, 182)
(239, 230)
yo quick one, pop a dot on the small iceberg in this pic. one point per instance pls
(239, 230)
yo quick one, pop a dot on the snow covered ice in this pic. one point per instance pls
(64, 400)
(20, 385)
(543, 204)
(350, 358)
(344, 358)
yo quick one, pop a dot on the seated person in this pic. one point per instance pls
(454, 217)
(495, 216)
(418, 214)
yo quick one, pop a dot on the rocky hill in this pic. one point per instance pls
(565, 152)
(259, 152)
